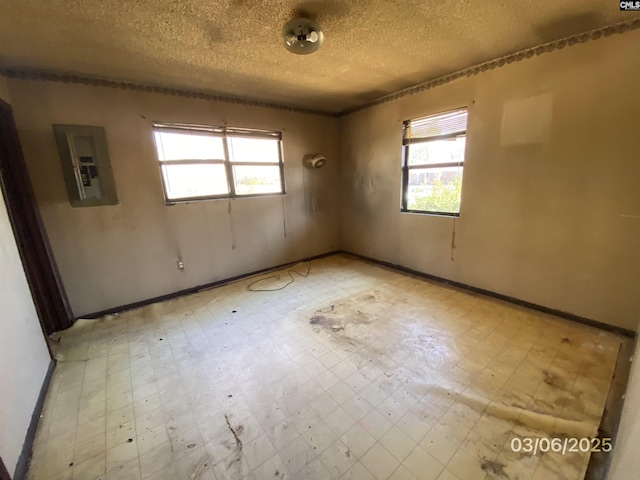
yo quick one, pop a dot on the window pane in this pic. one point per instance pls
(187, 181)
(188, 146)
(243, 149)
(437, 151)
(257, 179)
(435, 189)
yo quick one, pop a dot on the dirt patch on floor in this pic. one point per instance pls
(493, 469)
(552, 379)
(345, 322)
(324, 322)
(339, 316)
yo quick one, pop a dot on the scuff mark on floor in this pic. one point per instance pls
(236, 432)
(200, 468)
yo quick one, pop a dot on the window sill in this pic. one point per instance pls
(210, 199)
(431, 214)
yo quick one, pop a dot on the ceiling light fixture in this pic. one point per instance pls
(302, 36)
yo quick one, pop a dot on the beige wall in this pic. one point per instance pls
(115, 255)
(24, 357)
(556, 222)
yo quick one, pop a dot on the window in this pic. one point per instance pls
(433, 159)
(201, 162)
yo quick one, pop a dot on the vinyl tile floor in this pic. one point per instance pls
(353, 372)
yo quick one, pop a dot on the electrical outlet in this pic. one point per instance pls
(180, 265)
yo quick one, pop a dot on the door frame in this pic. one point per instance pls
(41, 270)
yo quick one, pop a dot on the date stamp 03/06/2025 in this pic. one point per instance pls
(565, 445)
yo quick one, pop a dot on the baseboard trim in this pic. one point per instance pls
(23, 461)
(198, 288)
(523, 303)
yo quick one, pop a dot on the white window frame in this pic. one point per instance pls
(224, 133)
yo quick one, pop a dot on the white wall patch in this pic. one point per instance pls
(527, 120)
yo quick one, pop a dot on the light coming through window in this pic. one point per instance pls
(202, 162)
(433, 160)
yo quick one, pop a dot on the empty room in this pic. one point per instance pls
(332, 240)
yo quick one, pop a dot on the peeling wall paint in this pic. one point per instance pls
(548, 217)
(116, 255)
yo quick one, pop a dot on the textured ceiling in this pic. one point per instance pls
(233, 47)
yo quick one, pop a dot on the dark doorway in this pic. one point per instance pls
(4, 475)
(40, 267)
